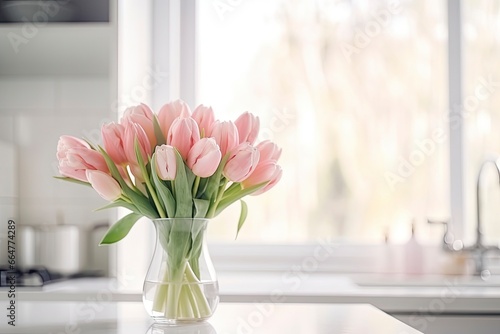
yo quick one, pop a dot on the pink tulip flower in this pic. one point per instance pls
(166, 162)
(143, 116)
(269, 151)
(169, 112)
(204, 157)
(132, 132)
(274, 180)
(242, 162)
(204, 117)
(183, 134)
(105, 185)
(267, 171)
(262, 173)
(225, 135)
(248, 127)
(68, 142)
(112, 136)
(75, 156)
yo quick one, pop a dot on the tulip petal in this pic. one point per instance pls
(105, 185)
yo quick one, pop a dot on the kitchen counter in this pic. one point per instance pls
(452, 297)
(240, 318)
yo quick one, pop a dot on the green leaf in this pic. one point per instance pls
(235, 187)
(202, 187)
(196, 247)
(214, 181)
(151, 191)
(168, 201)
(139, 200)
(64, 178)
(138, 156)
(119, 203)
(228, 200)
(190, 177)
(183, 197)
(201, 206)
(160, 137)
(243, 217)
(113, 169)
(120, 229)
(142, 203)
(179, 246)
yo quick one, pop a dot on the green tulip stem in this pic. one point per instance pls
(155, 199)
(195, 186)
(183, 296)
(173, 189)
(220, 193)
(124, 198)
(179, 292)
(152, 191)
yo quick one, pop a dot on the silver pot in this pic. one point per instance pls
(26, 245)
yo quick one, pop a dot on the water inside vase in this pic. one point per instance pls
(193, 301)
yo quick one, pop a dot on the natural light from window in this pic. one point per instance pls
(481, 35)
(355, 92)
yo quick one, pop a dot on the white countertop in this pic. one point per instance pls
(131, 318)
(450, 297)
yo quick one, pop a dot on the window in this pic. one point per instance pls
(356, 94)
(481, 108)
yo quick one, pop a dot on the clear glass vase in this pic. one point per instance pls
(181, 285)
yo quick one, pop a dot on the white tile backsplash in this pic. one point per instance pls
(34, 113)
(88, 94)
(27, 93)
(50, 211)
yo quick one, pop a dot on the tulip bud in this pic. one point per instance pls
(241, 163)
(75, 156)
(183, 134)
(112, 136)
(143, 116)
(269, 151)
(262, 173)
(169, 112)
(225, 135)
(133, 132)
(105, 185)
(248, 127)
(204, 157)
(68, 142)
(274, 180)
(204, 117)
(166, 162)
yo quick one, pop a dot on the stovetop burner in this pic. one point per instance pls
(38, 276)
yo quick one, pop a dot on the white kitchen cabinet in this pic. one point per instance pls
(456, 324)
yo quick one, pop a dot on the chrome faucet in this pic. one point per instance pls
(478, 249)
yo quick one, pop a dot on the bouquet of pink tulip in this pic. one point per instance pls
(175, 164)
